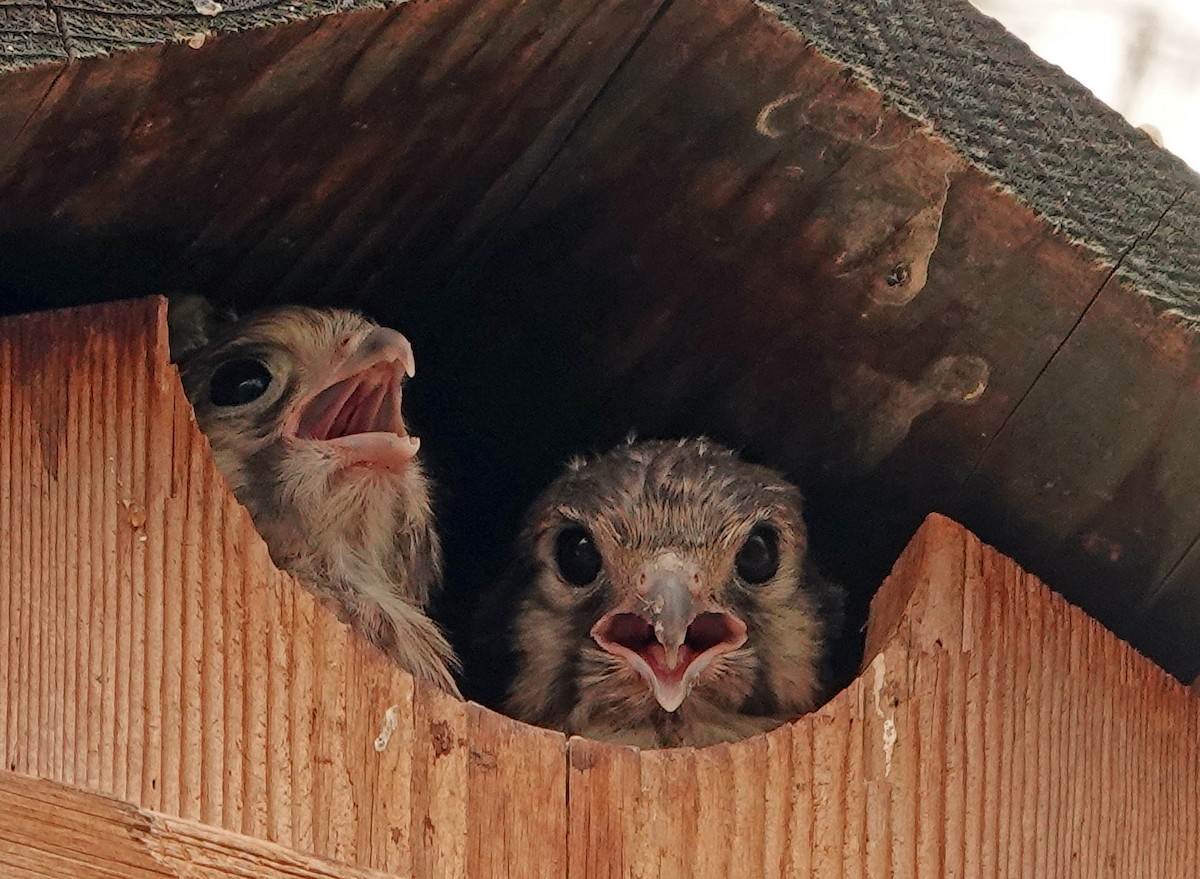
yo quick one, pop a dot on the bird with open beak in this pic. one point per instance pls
(666, 599)
(302, 409)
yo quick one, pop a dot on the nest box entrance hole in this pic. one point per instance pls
(670, 218)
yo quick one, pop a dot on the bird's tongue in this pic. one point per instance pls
(360, 417)
(670, 676)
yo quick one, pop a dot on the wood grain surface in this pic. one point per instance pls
(50, 830)
(357, 156)
(151, 653)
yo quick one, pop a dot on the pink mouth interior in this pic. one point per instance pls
(708, 631)
(365, 403)
(360, 416)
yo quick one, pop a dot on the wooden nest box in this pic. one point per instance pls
(888, 252)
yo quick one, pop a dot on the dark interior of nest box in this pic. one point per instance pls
(596, 218)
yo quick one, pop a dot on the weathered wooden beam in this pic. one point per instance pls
(52, 830)
(359, 156)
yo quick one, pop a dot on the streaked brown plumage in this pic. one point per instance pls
(302, 409)
(666, 598)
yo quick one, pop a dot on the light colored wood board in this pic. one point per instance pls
(666, 829)
(604, 787)
(441, 756)
(153, 651)
(800, 853)
(391, 832)
(998, 732)
(516, 797)
(995, 725)
(49, 830)
(1073, 743)
(714, 838)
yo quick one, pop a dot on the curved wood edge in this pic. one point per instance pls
(153, 652)
(994, 730)
(919, 604)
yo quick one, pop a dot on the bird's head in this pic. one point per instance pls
(302, 398)
(667, 576)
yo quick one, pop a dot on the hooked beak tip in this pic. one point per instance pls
(670, 700)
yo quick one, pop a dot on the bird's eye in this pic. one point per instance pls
(577, 557)
(240, 381)
(758, 559)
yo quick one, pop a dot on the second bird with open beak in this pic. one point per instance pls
(302, 409)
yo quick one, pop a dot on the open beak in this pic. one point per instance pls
(357, 409)
(671, 639)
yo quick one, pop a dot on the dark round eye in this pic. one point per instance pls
(237, 382)
(577, 557)
(758, 559)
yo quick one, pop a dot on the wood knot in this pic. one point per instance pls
(879, 409)
(582, 760)
(957, 379)
(442, 738)
(898, 276)
(483, 760)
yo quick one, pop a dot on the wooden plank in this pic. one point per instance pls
(604, 788)
(48, 829)
(517, 798)
(666, 832)
(1091, 482)
(181, 670)
(997, 731)
(392, 139)
(20, 97)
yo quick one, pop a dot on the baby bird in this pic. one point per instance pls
(666, 599)
(302, 409)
